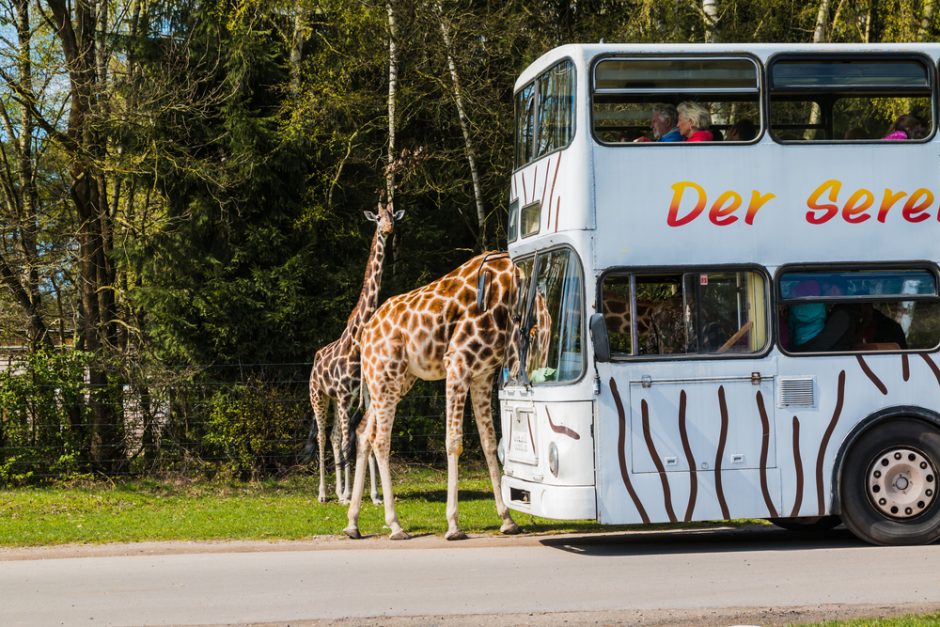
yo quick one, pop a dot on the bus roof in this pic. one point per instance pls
(582, 53)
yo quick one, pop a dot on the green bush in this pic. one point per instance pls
(43, 416)
(254, 429)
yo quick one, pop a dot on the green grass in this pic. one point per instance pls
(149, 510)
(922, 620)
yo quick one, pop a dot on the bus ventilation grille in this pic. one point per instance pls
(796, 392)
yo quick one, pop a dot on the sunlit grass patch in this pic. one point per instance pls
(287, 509)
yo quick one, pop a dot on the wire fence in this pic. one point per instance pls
(245, 421)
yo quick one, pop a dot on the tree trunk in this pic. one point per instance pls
(75, 29)
(820, 33)
(926, 19)
(23, 196)
(710, 18)
(392, 101)
(464, 127)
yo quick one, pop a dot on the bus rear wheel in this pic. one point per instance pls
(889, 484)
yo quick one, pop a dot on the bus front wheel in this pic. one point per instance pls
(889, 484)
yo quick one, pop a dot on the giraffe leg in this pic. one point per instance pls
(338, 464)
(480, 393)
(456, 399)
(347, 471)
(321, 406)
(363, 434)
(381, 448)
(373, 471)
(408, 380)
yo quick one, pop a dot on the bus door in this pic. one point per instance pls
(686, 398)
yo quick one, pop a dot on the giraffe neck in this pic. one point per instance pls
(371, 283)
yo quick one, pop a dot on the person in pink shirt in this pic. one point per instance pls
(906, 127)
(694, 122)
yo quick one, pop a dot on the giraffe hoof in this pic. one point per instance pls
(399, 535)
(510, 528)
(353, 533)
(322, 499)
(455, 535)
(376, 500)
(343, 500)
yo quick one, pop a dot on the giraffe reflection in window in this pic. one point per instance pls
(685, 313)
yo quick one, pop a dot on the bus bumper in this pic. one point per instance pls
(550, 501)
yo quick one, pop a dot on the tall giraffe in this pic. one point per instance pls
(440, 331)
(335, 376)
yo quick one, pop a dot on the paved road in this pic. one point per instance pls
(714, 575)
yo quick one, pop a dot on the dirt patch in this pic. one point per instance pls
(738, 616)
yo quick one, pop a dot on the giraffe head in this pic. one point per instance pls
(531, 332)
(384, 218)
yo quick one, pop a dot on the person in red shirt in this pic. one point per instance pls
(694, 122)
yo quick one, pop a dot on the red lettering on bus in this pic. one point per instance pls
(887, 202)
(758, 200)
(829, 210)
(673, 218)
(721, 211)
(854, 210)
(914, 211)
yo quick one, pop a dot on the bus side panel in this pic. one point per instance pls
(699, 447)
(846, 389)
(659, 200)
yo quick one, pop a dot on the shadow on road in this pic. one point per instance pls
(722, 540)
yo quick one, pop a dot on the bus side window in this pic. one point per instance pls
(689, 313)
(858, 310)
(834, 98)
(633, 98)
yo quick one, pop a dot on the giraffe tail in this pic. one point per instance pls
(306, 456)
(353, 423)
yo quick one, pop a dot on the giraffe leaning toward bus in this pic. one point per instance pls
(461, 328)
(335, 376)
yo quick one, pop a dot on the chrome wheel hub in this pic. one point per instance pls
(902, 483)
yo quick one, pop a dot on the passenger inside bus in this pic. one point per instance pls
(876, 331)
(837, 333)
(694, 122)
(906, 127)
(813, 328)
(663, 122)
(742, 131)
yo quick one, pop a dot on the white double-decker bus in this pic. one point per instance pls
(744, 324)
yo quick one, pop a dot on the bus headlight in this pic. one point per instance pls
(501, 451)
(553, 458)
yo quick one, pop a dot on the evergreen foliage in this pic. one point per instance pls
(182, 210)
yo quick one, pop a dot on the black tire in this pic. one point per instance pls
(814, 524)
(888, 490)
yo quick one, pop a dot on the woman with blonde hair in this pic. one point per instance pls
(694, 121)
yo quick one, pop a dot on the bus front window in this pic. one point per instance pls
(555, 345)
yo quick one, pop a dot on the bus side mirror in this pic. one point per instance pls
(599, 338)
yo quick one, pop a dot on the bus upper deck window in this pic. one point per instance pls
(850, 98)
(633, 96)
(512, 229)
(545, 113)
(859, 309)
